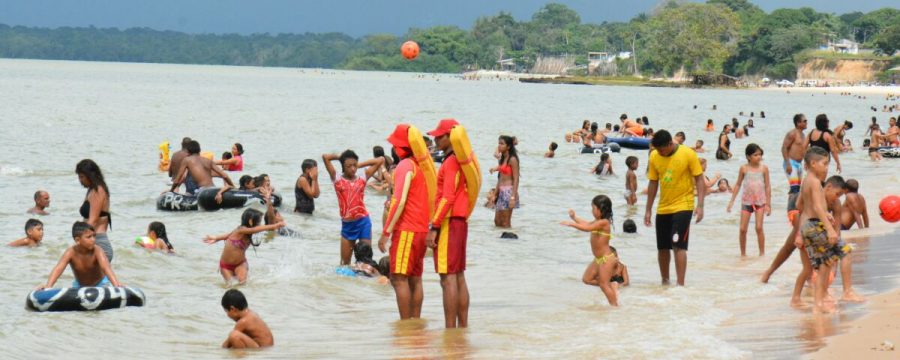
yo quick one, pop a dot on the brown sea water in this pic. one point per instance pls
(527, 297)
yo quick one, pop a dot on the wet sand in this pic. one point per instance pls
(868, 336)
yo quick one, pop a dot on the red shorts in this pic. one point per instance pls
(450, 254)
(407, 252)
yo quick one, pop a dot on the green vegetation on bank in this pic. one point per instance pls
(734, 37)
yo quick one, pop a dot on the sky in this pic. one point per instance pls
(353, 17)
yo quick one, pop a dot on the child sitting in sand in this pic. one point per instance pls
(552, 152)
(233, 263)
(600, 270)
(620, 272)
(250, 331)
(88, 262)
(156, 238)
(34, 233)
(631, 180)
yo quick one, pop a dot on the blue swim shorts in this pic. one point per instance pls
(103, 282)
(357, 229)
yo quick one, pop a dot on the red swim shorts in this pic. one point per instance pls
(407, 252)
(450, 254)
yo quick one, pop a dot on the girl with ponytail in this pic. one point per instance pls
(601, 269)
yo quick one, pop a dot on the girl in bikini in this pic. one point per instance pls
(233, 263)
(601, 269)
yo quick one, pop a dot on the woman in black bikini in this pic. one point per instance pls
(95, 209)
(823, 138)
(724, 150)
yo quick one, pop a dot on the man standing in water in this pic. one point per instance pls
(201, 170)
(792, 151)
(451, 229)
(675, 171)
(407, 226)
(177, 157)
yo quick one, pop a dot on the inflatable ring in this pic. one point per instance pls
(426, 164)
(631, 142)
(232, 199)
(172, 201)
(87, 298)
(459, 140)
(888, 151)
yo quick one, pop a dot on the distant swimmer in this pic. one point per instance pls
(34, 233)
(201, 171)
(552, 151)
(709, 125)
(250, 331)
(601, 269)
(236, 161)
(41, 203)
(88, 262)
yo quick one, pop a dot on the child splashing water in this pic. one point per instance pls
(600, 271)
(756, 198)
(233, 263)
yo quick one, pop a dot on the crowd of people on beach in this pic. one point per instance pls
(675, 171)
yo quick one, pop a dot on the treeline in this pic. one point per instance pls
(725, 36)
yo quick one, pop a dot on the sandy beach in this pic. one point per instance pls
(868, 337)
(854, 90)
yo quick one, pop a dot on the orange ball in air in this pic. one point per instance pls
(409, 50)
(890, 208)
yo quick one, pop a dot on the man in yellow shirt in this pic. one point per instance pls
(676, 172)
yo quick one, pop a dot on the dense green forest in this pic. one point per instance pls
(728, 36)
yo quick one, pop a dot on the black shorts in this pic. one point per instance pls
(673, 229)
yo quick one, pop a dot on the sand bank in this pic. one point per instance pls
(868, 337)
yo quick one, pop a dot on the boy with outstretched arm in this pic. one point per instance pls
(88, 262)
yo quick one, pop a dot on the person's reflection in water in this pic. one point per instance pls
(455, 344)
(411, 338)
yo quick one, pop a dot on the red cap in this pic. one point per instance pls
(400, 137)
(444, 127)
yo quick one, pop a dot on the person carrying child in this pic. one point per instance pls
(88, 262)
(756, 198)
(233, 263)
(250, 331)
(600, 270)
(34, 233)
(350, 189)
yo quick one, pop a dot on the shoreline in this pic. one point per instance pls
(870, 335)
(836, 90)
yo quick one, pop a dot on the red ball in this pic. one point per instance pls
(890, 208)
(409, 50)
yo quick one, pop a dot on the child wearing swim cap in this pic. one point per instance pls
(601, 269)
(233, 262)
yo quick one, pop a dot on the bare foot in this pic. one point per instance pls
(852, 296)
(824, 308)
(765, 277)
(797, 303)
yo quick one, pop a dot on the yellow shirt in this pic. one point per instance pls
(675, 174)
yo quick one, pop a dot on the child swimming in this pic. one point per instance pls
(233, 263)
(34, 233)
(250, 331)
(756, 198)
(600, 270)
(88, 262)
(156, 238)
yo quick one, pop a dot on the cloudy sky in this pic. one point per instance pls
(354, 17)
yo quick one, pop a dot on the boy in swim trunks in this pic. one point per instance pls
(34, 233)
(250, 331)
(350, 189)
(407, 227)
(820, 237)
(631, 180)
(88, 262)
